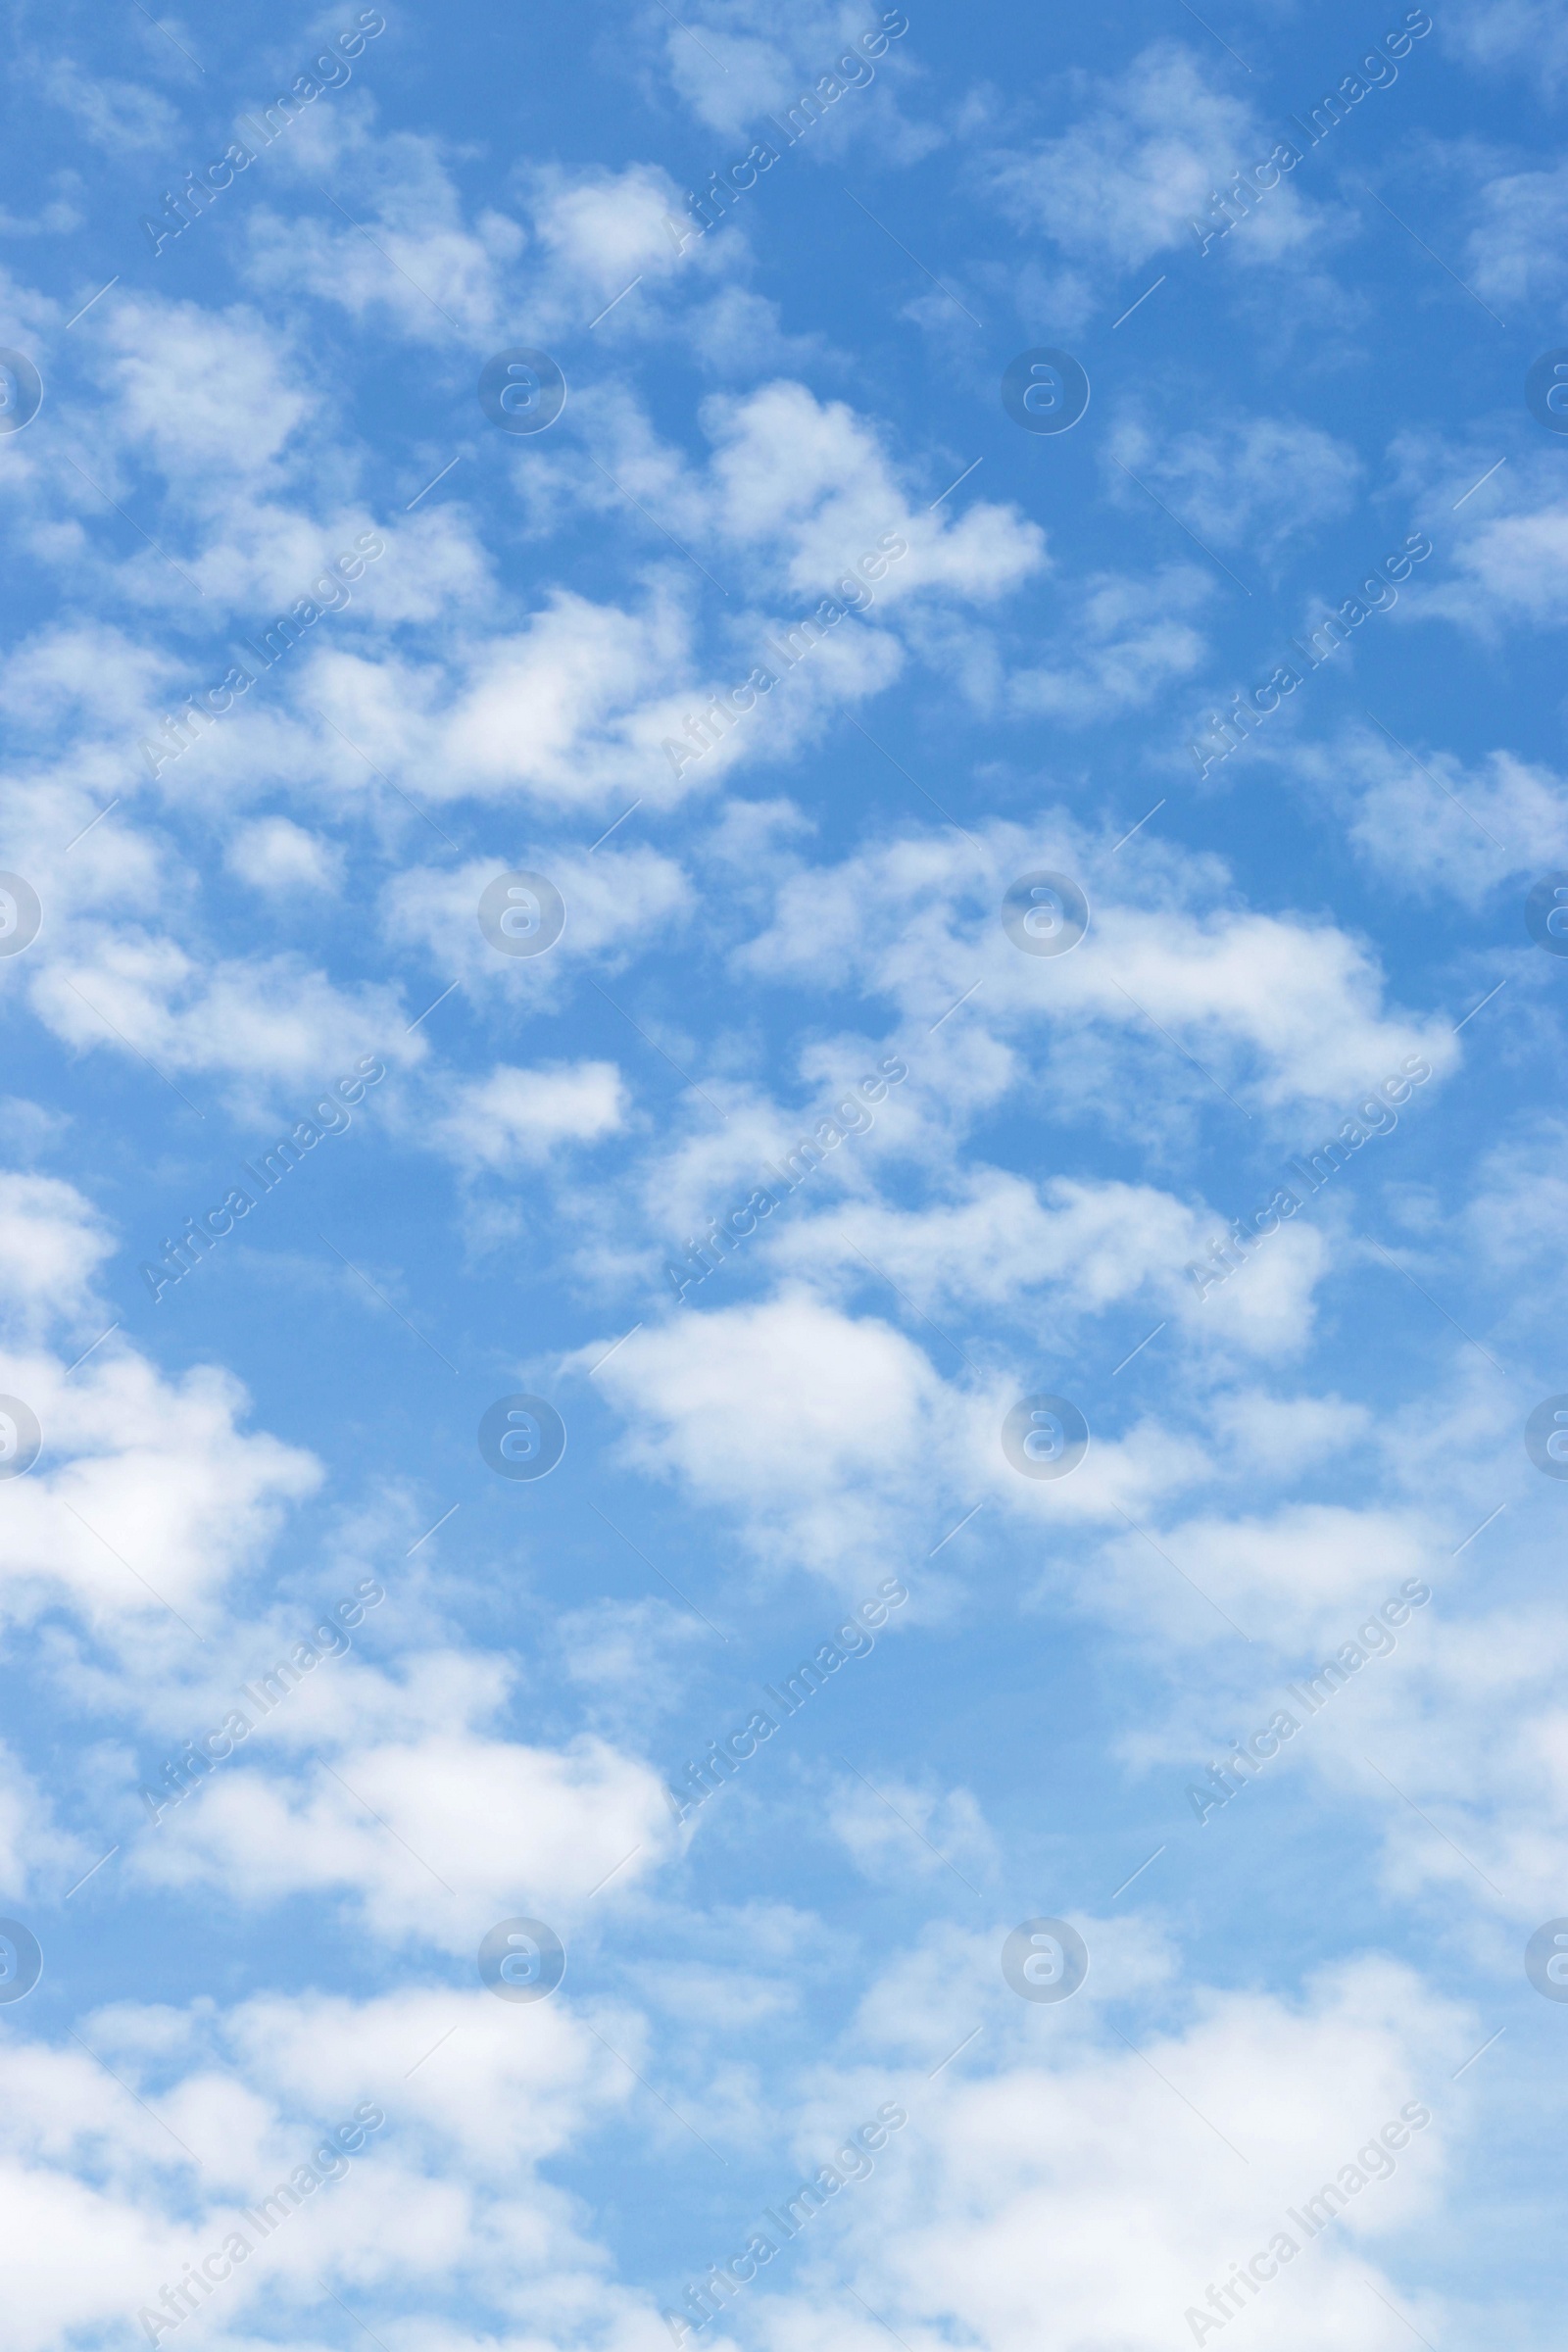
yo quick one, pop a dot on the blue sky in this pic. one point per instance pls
(1307, 477)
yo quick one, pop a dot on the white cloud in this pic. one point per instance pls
(1515, 251)
(438, 1836)
(1428, 821)
(568, 711)
(559, 708)
(273, 854)
(1244, 481)
(211, 397)
(1029, 2182)
(896, 1829)
(1091, 1245)
(514, 1119)
(1517, 1215)
(1509, 565)
(1138, 162)
(421, 266)
(147, 1495)
(790, 1412)
(1289, 1010)
(55, 218)
(124, 117)
(267, 1024)
(615, 901)
(52, 1242)
(603, 229)
(82, 670)
(1128, 639)
(973, 2212)
(32, 1846)
(588, 233)
(1525, 35)
(807, 483)
(470, 2109)
(1290, 1577)
(741, 64)
(1477, 1737)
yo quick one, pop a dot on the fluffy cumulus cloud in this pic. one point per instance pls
(148, 1494)
(806, 482)
(1182, 2142)
(1129, 641)
(560, 712)
(52, 1243)
(739, 70)
(1500, 561)
(1137, 162)
(130, 1493)
(1290, 1008)
(515, 1119)
(587, 699)
(1251, 481)
(1427, 823)
(1515, 247)
(1086, 1247)
(410, 1833)
(1511, 39)
(218, 2162)
(803, 1415)
(274, 1021)
(273, 854)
